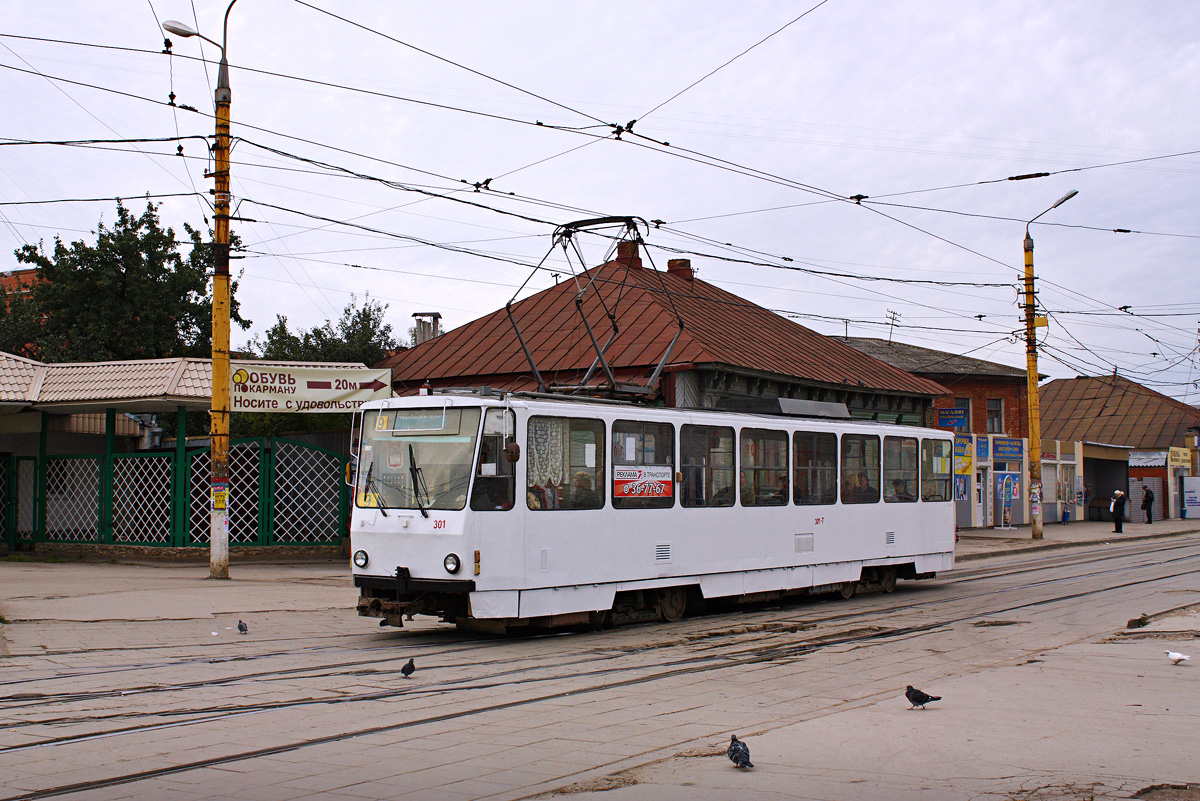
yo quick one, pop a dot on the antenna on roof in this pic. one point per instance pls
(625, 245)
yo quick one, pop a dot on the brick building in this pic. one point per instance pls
(992, 395)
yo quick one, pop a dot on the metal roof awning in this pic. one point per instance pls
(150, 385)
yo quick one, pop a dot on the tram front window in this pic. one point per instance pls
(416, 458)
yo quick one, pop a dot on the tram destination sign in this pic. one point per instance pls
(286, 388)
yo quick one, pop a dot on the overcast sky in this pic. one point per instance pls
(924, 107)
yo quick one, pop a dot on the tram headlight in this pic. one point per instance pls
(361, 558)
(451, 563)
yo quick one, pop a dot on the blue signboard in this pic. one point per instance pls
(981, 450)
(952, 418)
(1005, 449)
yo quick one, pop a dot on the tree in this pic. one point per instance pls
(131, 295)
(361, 335)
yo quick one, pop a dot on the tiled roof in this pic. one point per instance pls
(19, 378)
(926, 361)
(1116, 410)
(719, 328)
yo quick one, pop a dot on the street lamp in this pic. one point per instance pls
(1032, 322)
(218, 559)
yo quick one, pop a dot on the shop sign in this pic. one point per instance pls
(952, 418)
(1004, 449)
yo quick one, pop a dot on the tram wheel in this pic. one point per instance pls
(888, 579)
(672, 604)
(848, 589)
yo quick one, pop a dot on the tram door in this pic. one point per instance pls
(981, 497)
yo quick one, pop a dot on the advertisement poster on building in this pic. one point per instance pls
(960, 488)
(1191, 496)
(962, 456)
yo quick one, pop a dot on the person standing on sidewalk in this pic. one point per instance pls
(1148, 503)
(1118, 511)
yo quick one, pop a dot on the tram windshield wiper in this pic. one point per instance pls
(418, 481)
(371, 487)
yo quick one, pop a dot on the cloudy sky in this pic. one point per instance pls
(359, 121)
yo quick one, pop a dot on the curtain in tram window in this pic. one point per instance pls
(546, 462)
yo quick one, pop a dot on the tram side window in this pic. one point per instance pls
(564, 463)
(706, 455)
(860, 468)
(643, 465)
(815, 476)
(899, 469)
(494, 488)
(764, 478)
(936, 463)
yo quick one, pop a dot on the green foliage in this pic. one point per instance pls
(131, 295)
(361, 335)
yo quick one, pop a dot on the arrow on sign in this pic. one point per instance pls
(374, 386)
(320, 385)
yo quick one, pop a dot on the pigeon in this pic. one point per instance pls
(739, 753)
(243, 628)
(408, 669)
(1177, 658)
(918, 698)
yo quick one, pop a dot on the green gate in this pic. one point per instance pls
(282, 492)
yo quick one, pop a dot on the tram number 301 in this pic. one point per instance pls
(818, 520)
(439, 524)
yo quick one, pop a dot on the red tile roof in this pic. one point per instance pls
(720, 329)
(1114, 411)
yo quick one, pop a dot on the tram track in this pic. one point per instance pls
(656, 670)
(326, 670)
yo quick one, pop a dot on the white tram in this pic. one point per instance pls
(499, 510)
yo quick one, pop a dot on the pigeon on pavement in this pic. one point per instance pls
(243, 628)
(1176, 658)
(739, 753)
(918, 698)
(408, 669)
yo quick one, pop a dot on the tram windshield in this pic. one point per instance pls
(416, 458)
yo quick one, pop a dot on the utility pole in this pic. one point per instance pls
(1032, 323)
(218, 560)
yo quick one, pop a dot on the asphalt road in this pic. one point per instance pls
(1046, 693)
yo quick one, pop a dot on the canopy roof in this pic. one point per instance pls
(152, 385)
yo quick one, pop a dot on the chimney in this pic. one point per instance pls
(627, 254)
(427, 325)
(681, 267)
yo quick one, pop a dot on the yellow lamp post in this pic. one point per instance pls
(219, 481)
(1032, 323)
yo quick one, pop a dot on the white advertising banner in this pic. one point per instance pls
(283, 388)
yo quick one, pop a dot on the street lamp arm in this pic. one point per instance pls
(1057, 203)
(186, 32)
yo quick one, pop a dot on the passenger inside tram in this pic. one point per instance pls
(582, 494)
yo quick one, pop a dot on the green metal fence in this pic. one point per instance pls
(282, 492)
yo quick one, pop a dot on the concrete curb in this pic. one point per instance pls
(1055, 545)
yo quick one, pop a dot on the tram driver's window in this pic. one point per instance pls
(936, 462)
(643, 465)
(564, 463)
(815, 474)
(860, 468)
(706, 461)
(494, 487)
(764, 476)
(899, 469)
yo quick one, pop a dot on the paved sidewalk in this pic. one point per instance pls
(980, 543)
